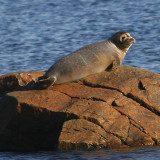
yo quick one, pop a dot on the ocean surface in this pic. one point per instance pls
(35, 33)
(138, 154)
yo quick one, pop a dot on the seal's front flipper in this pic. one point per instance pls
(44, 83)
(114, 65)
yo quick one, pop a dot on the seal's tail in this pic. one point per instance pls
(43, 83)
(40, 83)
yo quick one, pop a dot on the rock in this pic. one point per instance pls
(106, 110)
(13, 81)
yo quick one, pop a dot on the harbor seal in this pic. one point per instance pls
(90, 59)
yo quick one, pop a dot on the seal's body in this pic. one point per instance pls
(85, 61)
(93, 58)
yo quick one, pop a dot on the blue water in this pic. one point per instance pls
(35, 33)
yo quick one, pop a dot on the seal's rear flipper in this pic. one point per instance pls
(44, 83)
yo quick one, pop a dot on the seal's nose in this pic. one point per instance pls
(132, 39)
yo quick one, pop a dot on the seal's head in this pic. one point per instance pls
(123, 40)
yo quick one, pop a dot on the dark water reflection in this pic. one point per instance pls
(123, 154)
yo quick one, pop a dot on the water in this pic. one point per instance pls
(35, 33)
(140, 154)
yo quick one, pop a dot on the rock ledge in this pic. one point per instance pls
(106, 110)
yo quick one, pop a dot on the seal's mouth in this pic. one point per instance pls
(129, 41)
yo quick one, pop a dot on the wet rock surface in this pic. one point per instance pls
(108, 110)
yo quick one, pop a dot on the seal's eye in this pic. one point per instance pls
(122, 38)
